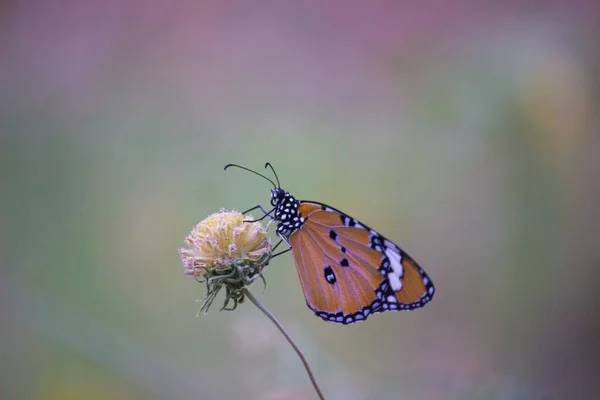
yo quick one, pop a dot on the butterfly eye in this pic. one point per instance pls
(277, 195)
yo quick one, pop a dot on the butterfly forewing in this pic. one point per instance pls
(349, 271)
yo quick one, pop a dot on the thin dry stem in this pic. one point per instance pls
(288, 338)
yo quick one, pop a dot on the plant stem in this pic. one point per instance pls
(288, 338)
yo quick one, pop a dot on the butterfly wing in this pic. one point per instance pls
(349, 271)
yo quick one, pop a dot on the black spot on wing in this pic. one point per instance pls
(347, 221)
(329, 275)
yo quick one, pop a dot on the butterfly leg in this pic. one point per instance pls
(266, 213)
(283, 239)
(281, 252)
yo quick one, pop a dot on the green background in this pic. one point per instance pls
(466, 133)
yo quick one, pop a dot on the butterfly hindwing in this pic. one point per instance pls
(349, 271)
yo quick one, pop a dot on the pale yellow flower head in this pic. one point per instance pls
(226, 251)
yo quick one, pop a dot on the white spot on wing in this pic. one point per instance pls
(395, 261)
(395, 283)
(391, 299)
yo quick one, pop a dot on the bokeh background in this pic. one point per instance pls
(466, 131)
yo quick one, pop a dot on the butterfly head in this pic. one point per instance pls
(286, 206)
(277, 196)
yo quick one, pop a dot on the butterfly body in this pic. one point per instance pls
(287, 215)
(347, 270)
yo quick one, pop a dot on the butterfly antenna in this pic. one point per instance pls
(268, 164)
(254, 172)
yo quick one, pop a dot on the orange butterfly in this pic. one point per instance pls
(348, 271)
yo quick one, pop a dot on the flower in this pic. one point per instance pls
(226, 249)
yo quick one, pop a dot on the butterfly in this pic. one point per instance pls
(347, 270)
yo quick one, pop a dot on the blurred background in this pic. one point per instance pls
(467, 132)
